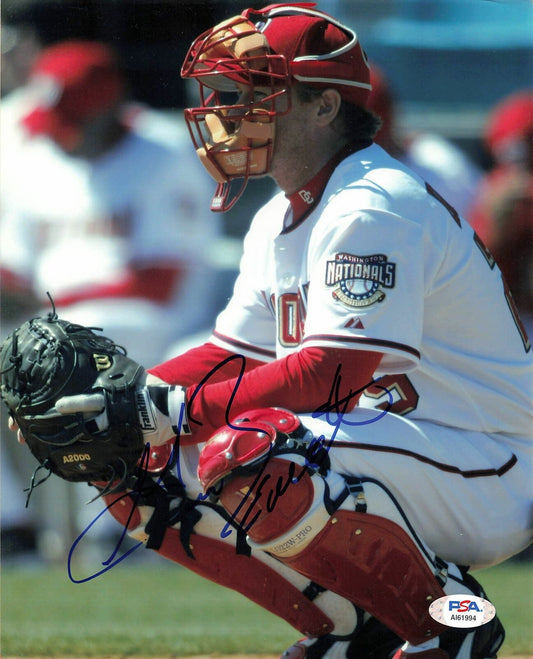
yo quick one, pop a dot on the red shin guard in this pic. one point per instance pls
(373, 562)
(218, 561)
(367, 559)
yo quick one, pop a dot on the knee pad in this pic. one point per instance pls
(317, 522)
(272, 477)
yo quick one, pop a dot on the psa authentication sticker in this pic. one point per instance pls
(358, 281)
(462, 611)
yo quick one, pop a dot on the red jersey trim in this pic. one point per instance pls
(452, 469)
(362, 341)
(241, 345)
(155, 283)
(14, 283)
(304, 200)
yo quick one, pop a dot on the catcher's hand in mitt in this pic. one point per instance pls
(82, 406)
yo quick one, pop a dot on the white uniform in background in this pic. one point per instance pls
(79, 229)
(444, 166)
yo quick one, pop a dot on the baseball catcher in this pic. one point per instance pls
(88, 413)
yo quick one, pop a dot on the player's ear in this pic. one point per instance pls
(328, 107)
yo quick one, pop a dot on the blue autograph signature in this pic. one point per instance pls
(333, 411)
(133, 496)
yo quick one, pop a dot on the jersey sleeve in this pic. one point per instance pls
(204, 361)
(246, 325)
(366, 288)
(312, 380)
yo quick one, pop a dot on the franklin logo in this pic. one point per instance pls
(144, 410)
(357, 281)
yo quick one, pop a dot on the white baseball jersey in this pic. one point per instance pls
(77, 228)
(445, 167)
(382, 263)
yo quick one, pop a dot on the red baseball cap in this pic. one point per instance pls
(320, 51)
(510, 121)
(71, 82)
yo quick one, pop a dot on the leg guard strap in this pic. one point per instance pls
(370, 560)
(218, 562)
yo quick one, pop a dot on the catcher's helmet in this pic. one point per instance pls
(267, 49)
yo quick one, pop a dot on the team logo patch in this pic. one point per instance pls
(358, 281)
(306, 196)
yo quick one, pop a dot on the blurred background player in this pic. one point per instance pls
(502, 211)
(93, 210)
(437, 160)
(103, 206)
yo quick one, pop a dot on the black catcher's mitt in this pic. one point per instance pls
(47, 359)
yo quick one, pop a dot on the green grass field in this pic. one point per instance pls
(158, 609)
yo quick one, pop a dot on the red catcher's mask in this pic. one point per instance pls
(263, 51)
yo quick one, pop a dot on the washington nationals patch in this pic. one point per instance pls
(358, 281)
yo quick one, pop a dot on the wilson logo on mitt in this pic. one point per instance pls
(102, 362)
(51, 373)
